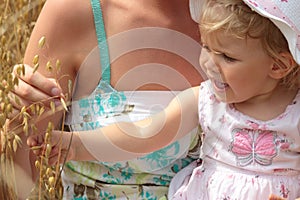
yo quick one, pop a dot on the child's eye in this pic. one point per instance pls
(206, 48)
(227, 58)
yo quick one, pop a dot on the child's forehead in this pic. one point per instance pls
(230, 44)
(220, 37)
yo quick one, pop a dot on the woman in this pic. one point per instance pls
(147, 50)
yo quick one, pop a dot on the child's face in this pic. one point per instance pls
(238, 68)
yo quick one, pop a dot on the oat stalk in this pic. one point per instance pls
(18, 17)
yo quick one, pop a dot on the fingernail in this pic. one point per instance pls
(55, 91)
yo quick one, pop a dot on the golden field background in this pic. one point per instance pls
(17, 19)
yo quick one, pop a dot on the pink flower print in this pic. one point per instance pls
(199, 172)
(284, 143)
(253, 146)
(256, 126)
(222, 119)
(216, 154)
(253, 3)
(284, 191)
(253, 125)
(213, 98)
(285, 146)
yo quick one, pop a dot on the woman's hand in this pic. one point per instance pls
(57, 146)
(34, 87)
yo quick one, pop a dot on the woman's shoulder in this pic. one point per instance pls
(67, 24)
(68, 27)
(68, 13)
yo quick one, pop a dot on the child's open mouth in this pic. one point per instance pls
(220, 86)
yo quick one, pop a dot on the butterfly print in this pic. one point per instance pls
(253, 146)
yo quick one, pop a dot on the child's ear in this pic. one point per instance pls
(282, 67)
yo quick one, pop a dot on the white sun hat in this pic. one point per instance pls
(285, 14)
(195, 9)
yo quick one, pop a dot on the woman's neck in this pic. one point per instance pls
(167, 7)
(164, 4)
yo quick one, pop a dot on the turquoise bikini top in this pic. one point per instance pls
(102, 41)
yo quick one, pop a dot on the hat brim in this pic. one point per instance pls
(285, 28)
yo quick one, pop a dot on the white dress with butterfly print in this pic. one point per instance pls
(243, 158)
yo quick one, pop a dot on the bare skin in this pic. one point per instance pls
(68, 27)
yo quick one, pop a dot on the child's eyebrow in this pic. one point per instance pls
(213, 51)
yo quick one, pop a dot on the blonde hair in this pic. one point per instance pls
(234, 17)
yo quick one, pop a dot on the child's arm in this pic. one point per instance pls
(123, 141)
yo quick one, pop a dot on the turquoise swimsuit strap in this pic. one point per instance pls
(102, 41)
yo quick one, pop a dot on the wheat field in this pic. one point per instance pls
(17, 19)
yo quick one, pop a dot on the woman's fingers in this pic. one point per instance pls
(35, 87)
(16, 101)
(26, 91)
(32, 88)
(39, 81)
(35, 143)
(59, 146)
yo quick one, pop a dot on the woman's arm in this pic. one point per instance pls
(64, 24)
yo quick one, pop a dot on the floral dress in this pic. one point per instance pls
(243, 158)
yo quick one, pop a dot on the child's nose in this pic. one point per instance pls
(208, 64)
(211, 66)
